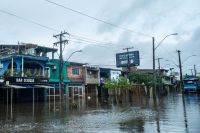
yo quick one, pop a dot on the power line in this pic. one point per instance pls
(27, 20)
(73, 36)
(97, 19)
(96, 43)
(93, 44)
(50, 28)
(85, 38)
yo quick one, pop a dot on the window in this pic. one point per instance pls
(75, 71)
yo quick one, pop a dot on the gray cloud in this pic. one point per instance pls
(129, 13)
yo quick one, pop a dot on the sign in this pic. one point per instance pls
(122, 59)
(27, 80)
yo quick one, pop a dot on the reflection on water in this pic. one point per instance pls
(173, 113)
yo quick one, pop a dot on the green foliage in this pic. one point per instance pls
(28, 73)
(110, 84)
(140, 78)
(124, 83)
(143, 78)
(8, 72)
(121, 83)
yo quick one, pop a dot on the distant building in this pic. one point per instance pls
(107, 74)
(162, 72)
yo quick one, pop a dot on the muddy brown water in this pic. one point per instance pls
(172, 113)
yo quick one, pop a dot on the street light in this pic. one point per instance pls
(73, 53)
(174, 34)
(163, 67)
(188, 58)
(154, 48)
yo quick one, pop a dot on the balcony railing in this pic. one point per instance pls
(27, 73)
(92, 80)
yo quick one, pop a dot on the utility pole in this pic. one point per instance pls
(128, 62)
(61, 42)
(159, 65)
(191, 70)
(195, 71)
(180, 67)
(154, 71)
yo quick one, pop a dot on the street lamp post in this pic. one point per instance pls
(188, 58)
(73, 53)
(154, 48)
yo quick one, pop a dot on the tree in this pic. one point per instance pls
(121, 83)
(141, 78)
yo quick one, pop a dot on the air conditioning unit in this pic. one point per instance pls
(54, 67)
(1, 65)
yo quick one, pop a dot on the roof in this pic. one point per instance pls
(101, 68)
(29, 45)
(191, 79)
(46, 49)
(76, 63)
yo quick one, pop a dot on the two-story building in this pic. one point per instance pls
(60, 83)
(92, 80)
(75, 73)
(24, 67)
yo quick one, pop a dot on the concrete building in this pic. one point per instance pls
(24, 70)
(54, 76)
(75, 73)
(107, 74)
(92, 80)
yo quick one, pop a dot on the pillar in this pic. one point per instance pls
(22, 67)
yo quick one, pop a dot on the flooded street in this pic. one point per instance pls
(172, 113)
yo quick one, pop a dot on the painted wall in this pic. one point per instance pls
(54, 65)
(72, 76)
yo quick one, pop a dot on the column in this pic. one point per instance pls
(11, 67)
(22, 67)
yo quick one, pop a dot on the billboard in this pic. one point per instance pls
(122, 59)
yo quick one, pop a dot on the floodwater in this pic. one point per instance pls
(172, 113)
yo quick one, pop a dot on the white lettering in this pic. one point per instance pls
(19, 80)
(29, 80)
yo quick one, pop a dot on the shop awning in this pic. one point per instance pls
(44, 86)
(16, 86)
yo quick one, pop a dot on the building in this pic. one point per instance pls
(92, 80)
(24, 71)
(107, 74)
(54, 76)
(75, 73)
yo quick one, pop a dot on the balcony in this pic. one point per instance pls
(27, 73)
(92, 81)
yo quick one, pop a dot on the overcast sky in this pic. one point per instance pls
(145, 18)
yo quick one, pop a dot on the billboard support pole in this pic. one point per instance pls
(128, 62)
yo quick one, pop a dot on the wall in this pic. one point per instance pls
(54, 73)
(114, 74)
(92, 76)
(72, 76)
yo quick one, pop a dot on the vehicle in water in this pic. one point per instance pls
(191, 85)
